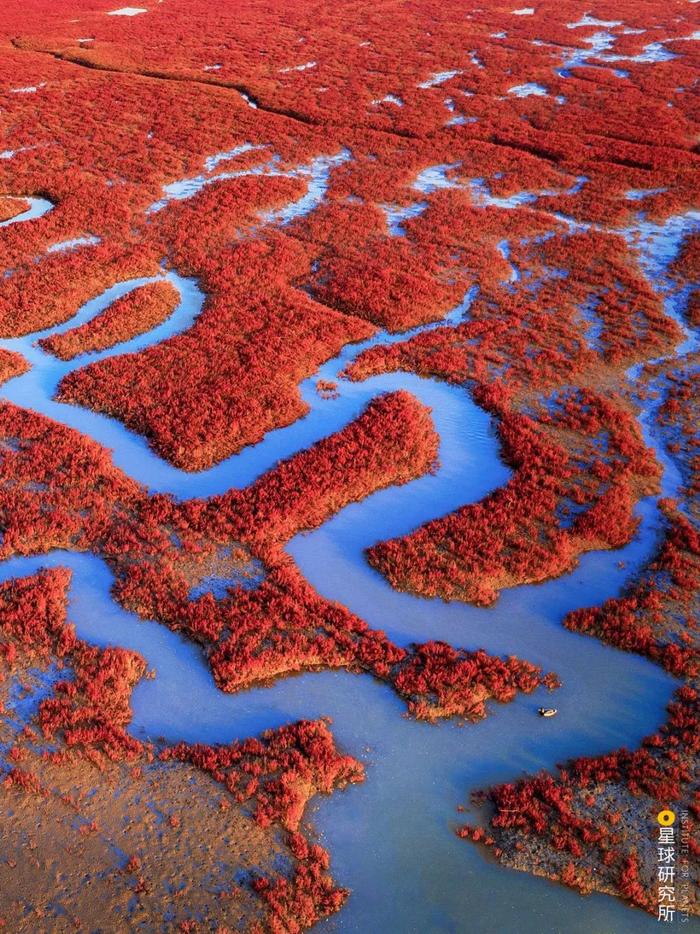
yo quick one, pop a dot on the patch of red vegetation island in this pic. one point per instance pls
(134, 314)
(657, 617)
(517, 534)
(11, 364)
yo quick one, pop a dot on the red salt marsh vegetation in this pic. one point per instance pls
(31, 299)
(282, 626)
(136, 313)
(11, 364)
(518, 534)
(265, 783)
(658, 617)
(514, 151)
(593, 825)
(204, 394)
(11, 207)
(394, 282)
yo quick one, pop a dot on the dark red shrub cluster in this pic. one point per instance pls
(33, 618)
(299, 903)
(18, 778)
(439, 681)
(327, 388)
(93, 710)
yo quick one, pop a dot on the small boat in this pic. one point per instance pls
(547, 711)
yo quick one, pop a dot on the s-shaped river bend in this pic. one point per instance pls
(391, 838)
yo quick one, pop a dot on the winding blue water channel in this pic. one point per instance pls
(391, 839)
